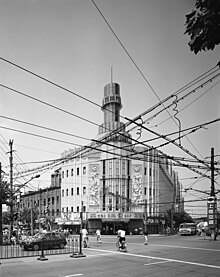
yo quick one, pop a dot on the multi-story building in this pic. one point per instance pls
(46, 201)
(114, 183)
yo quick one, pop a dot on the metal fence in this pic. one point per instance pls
(8, 251)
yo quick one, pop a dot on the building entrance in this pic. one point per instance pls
(111, 228)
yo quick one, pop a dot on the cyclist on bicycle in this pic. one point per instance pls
(121, 237)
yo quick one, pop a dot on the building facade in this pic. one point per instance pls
(45, 202)
(114, 184)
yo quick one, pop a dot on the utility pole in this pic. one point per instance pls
(11, 187)
(212, 201)
(1, 234)
(212, 173)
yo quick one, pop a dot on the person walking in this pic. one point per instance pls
(98, 236)
(85, 238)
(146, 236)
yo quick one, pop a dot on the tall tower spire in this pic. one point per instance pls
(111, 106)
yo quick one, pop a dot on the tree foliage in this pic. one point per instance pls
(6, 218)
(203, 25)
(25, 215)
(178, 218)
(5, 192)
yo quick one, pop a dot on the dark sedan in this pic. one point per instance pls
(47, 240)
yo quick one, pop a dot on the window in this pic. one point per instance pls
(62, 174)
(58, 212)
(145, 191)
(84, 190)
(72, 172)
(57, 199)
(77, 191)
(48, 201)
(77, 171)
(150, 191)
(71, 191)
(67, 173)
(110, 204)
(103, 168)
(62, 192)
(150, 172)
(44, 202)
(145, 171)
(84, 170)
(71, 209)
(52, 200)
(66, 192)
(63, 210)
(77, 209)
(52, 212)
(84, 209)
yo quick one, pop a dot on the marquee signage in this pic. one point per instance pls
(116, 215)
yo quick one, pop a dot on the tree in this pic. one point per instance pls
(178, 218)
(203, 25)
(6, 218)
(25, 215)
(5, 193)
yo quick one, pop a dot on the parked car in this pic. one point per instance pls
(47, 240)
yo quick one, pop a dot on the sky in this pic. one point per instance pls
(70, 44)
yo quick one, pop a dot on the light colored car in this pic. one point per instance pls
(187, 229)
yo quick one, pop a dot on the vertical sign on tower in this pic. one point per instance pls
(212, 212)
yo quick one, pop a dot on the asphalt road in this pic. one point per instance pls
(163, 256)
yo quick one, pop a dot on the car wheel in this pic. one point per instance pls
(36, 247)
(62, 245)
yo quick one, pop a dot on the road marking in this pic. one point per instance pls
(186, 247)
(78, 274)
(158, 263)
(157, 258)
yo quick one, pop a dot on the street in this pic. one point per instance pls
(163, 256)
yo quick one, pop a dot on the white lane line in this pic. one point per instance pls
(158, 263)
(183, 247)
(78, 274)
(186, 247)
(157, 258)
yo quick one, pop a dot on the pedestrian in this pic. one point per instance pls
(146, 236)
(98, 235)
(85, 238)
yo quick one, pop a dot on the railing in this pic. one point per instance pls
(8, 251)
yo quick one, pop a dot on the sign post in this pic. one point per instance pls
(212, 215)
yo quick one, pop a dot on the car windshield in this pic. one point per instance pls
(39, 235)
(187, 225)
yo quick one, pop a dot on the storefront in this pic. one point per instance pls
(70, 222)
(110, 223)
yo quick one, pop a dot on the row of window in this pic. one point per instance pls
(84, 171)
(71, 191)
(53, 213)
(151, 192)
(49, 201)
(72, 172)
(72, 209)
